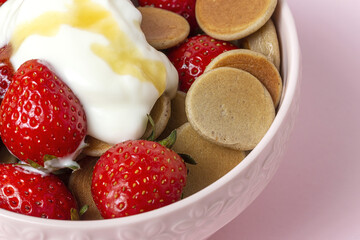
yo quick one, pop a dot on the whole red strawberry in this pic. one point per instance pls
(35, 194)
(6, 70)
(137, 176)
(40, 116)
(191, 58)
(186, 8)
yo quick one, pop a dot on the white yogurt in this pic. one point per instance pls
(95, 58)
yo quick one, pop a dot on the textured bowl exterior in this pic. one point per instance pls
(202, 214)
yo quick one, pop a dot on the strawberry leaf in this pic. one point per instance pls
(187, 158)
(48, 157)
(83, 210)
(170, 140)
(74, 214)
(74, 166)
(152, 135)
(34, 164)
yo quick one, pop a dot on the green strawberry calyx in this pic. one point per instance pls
(169, 141)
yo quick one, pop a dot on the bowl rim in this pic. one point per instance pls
(292, 82)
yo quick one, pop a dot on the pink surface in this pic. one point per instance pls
(316, 191)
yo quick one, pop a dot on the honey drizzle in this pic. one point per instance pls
(121, 54)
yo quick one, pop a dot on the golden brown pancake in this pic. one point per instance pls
(232, 20)
(95, 147)
(6, 156)
(162, 28)
(80, 186)
(265, 41)
(178, 115)
(213, 161)
(230, 107)
(256, 64)
(160, 113)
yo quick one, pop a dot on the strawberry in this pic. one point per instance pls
(185, 8)
(2, 2)
(41, 118)
(191, 58)
(6, 70)
(35, 194)
(137, 176)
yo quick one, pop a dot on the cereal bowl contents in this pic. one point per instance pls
(228, 175)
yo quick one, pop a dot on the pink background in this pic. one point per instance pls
(316, 191)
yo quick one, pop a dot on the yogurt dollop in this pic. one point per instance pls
(100, 52)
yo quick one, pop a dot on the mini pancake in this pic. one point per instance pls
(213, 161)
(95, 147)
(265, 41)
(160, 113)
(178, 115)
(230, 107)
(256, 64)
(162, 28)
(80, 186)
(232, 20)
(6, 156)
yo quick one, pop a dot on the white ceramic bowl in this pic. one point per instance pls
(202, 214)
